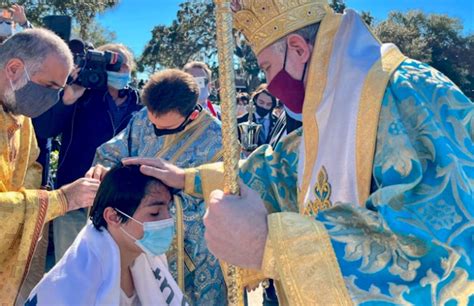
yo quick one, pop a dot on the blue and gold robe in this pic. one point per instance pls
(199, 143)
(411, 241)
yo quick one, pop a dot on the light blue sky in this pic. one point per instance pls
(133, 20)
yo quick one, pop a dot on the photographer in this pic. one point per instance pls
(87, 118)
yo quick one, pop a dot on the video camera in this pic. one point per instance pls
(94, 64)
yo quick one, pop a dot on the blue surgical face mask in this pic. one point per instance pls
(6, 29)
(157, 237)
(203, 94)
(118, 80)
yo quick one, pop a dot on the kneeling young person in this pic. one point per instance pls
(119, 258)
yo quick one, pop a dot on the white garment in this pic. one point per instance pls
(129, 301)
(89, 274)
(355, 50)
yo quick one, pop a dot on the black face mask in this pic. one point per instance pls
(180, 128)
(262, 112)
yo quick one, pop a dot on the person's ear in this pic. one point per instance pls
(300, 48)
(111, 216)
(14, 69)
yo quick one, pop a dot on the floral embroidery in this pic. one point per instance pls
(322, 194)
(440, 215)
(411, 243)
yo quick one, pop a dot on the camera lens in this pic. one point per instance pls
(94, 79)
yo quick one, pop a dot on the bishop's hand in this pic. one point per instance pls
(236, 227)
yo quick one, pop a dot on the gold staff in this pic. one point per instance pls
(231, 147)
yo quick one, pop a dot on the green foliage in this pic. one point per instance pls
(248, 66)
(97, 34)
(53, 165)
(433, 39)
(338, 6)
(367, 17)
(192, 36)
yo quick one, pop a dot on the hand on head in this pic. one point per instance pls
(166, 172)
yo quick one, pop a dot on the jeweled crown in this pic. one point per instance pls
(265, 21)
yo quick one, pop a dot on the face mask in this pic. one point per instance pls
(32, 99)
(118, 80)
(203, 89)
(290, 91)
(187, 120)
(157, 235)
(203, 94)
(262, 112)
(6, 30)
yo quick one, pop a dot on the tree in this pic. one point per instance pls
(367, 17)
(338, 6)
(96, 33)
(434, 39)
(192, 36)
(83, 11)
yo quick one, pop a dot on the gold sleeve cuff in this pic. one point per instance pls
(269, 262)
(249, 277)
(212, 178)
(57, 204)
(305, 261)
(189, 180)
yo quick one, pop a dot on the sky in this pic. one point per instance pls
(133, 20)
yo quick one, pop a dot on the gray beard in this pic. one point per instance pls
(9, 98)
(9, 101)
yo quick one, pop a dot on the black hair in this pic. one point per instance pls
(265, 91)
(243, 96)
(123, 188)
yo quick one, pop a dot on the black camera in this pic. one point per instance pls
(93, 64)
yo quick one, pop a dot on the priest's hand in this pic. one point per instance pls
(97, 172)
(80, 193)
(166, 172)
(236, 227)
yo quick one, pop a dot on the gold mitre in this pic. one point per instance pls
(265, 21)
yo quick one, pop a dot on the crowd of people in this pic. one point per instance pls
(358, 150)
